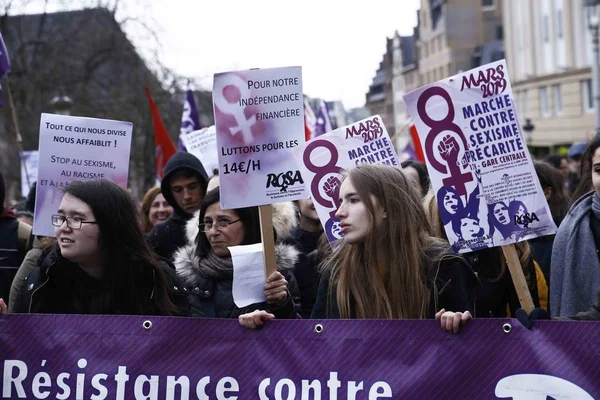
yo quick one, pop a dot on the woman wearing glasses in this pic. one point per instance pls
(100, 263)
(207, 269)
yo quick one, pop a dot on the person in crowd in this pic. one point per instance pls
(561, 164)
(576, 152)
(417, 171)
(494, 295)
(18, 289)
(15, 241)
(553, 185)
(25, 217)
(155, 208)
(206, 268)
(387, 266)
(100, 262)
(183, 186)
(575, 267)
(306, 236)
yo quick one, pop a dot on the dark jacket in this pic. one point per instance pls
(213, 298)
(59, 286)
(19, 284)
(453, 283)
(166, 237)
(541, 251)
(496, 296)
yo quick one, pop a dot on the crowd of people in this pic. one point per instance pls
(169, 254)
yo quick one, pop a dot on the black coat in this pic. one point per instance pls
(213, 298)
(495, 296)
(12, 253)
(58, 286)
(454, 285)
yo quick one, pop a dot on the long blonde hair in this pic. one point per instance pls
(384, 276)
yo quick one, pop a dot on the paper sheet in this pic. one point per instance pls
(249, 275)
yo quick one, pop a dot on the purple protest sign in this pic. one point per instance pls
(487, 191)
(121, 357)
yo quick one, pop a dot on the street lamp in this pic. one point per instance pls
(528, 129)
(61, 104)
(593, 17)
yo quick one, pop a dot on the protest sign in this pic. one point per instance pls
(259, 120)
(487, 191)
(77, 148)
(322, 160)
(203, 144)
(152, 358)
(29, 170)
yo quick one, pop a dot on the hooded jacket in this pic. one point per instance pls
(213, 298)
(166, 237)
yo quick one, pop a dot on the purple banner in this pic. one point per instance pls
(98, 357)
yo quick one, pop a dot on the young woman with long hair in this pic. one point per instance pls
(155, 208)
(100, 263)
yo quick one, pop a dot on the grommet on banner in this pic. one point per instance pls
(507, 328)
(147, 325)
(319, 328)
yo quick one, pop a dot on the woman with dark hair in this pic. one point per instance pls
(500, 221)
(417, 171)
(575, 267)
(206, 267)
(553, 185)
(100, 263)
(452, 206)
(155, 208)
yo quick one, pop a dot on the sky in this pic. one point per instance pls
(339, 44)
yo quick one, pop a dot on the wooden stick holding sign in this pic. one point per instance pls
(516, 272)
(268, 238)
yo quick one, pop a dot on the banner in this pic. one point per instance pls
(151, 358)
(487, 189)
(29, 169)
(77, 148)
(323, 158)
(203, 144)
(259, 118)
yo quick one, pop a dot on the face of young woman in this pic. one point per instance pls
(469, 228)
(501, 213)
(307, 209)
(80, 246)
(450, 202)
(222, 238)
(160, 210)
(355, 220)
(596, 170)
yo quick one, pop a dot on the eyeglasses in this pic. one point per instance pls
(72, 222)
(219, 225)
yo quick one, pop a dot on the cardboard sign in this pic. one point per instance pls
(29, 170)
(203, 144)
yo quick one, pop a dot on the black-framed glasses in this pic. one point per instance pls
(72, 222)
(219, 225)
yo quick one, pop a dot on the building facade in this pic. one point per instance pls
(549, 54)
(380, 99)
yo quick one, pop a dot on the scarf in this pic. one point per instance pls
(6, 213)
(575, 268)
(215, 267)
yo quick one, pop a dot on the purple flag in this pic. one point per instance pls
(189, 119)
(4, 63)
(323, 124)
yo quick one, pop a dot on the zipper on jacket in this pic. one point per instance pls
(41, 286)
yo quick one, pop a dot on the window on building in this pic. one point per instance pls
(488, 3)
(559, 24)
(546, 28)
(524, 107)
(544, 109)
(556, 93)
(588, 95)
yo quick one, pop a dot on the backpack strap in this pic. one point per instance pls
(24, 234)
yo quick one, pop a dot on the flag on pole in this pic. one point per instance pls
(309, 121)
(323, 121)
(164, 145)
(418, 149)
(190, 120)
(4, 63)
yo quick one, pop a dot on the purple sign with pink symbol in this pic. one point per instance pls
(323, 159)
(259, 119)
(487, 191)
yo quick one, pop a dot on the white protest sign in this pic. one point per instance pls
(77, 148)
(322, 160)
(259, 118)
(203, 144)
(249, 275)
(487, 190)
(29, 169)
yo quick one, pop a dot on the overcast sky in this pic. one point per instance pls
(338, 43)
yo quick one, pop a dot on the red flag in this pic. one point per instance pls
(417, 143)
(309, 122)
(164, 145)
